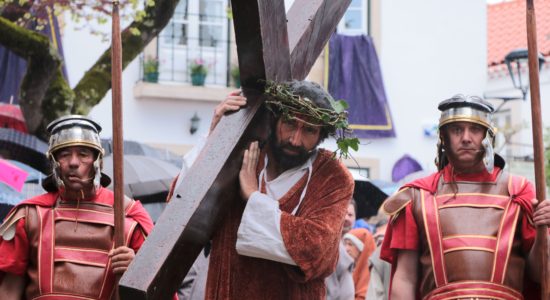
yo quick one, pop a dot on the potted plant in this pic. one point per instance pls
(151, 69)
(198, 72)
(236, 76)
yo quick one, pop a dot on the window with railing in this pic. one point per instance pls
(197, 33)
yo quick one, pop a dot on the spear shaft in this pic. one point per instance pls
(118, 141)
(538, 146)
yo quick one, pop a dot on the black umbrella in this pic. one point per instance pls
(369, 195)
(25, 148)
(145, 178)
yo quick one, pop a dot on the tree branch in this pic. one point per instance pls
(45, 94)
(43, 63)
(97, 81)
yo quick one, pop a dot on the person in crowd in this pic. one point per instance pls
(340, 284)
(349, 220)
(60, 245)
(468, 230)
(282, 240)
(360, 244)
(380, 270)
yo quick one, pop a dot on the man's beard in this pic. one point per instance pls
(284, 160)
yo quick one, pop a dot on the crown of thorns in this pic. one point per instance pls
(283, 101)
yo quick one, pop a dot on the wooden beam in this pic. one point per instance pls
(262, 41)
(313, 22)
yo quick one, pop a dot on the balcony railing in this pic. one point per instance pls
(183, 43)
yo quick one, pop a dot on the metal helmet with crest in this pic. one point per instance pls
(74, 130)
(473, 109)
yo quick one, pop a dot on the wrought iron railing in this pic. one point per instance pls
(189, 41)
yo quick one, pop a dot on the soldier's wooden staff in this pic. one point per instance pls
(118, 141)
(538, 146)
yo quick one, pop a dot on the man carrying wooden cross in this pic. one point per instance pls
(282, 240)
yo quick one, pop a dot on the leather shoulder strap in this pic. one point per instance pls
(7, 230)
(395, 203)
(515, 183)
(128, 203)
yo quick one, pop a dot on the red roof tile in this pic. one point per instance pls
(506, 29)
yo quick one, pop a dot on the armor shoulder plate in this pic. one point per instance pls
(128, 204)
(395, 203)
(7, 230)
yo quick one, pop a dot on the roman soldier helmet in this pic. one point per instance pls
(461, 108)
(74, 130)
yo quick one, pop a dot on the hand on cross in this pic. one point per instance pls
(233, 102)
(247, 176)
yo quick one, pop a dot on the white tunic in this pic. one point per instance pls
(259, 233)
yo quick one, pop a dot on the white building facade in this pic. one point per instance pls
(428, 51)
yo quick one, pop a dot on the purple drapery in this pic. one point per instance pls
(403, 167)
(355, 76)
(13, 67)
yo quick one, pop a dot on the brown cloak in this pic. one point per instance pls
(311, 238)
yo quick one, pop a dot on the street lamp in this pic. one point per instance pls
(195, 120)
(516, 61)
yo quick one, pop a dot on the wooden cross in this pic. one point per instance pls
(271, 45)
